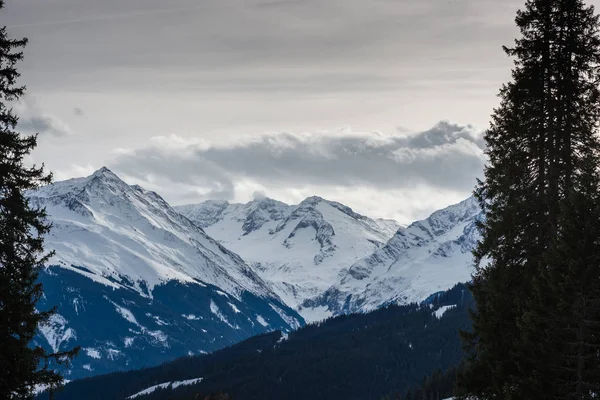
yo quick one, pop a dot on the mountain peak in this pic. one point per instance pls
(314, 198)
(102, 171)
(106, 174)
(442, 220)
(76, 186)
(311, 201)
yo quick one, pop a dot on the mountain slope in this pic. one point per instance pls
(153, 284)
(360, 356)
(426, 257)
(127, 236)
(301, 249)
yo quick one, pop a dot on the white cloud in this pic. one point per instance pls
(74, 170)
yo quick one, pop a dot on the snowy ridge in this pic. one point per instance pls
(426, 257)
(125, 236)
(300, 250)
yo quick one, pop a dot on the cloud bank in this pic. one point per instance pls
(442, 161)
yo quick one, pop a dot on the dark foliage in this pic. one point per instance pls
(438, 386)
(535, 332)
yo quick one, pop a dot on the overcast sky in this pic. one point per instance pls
(227, 99)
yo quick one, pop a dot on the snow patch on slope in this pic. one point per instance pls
(262, 321)
(126, 314)
(442, 310)
(291, 321)
(56, 332)
(166, 385)
(215, 310)
(93, 353)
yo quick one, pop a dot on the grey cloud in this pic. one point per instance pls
(33, 120)
(259, 194)
(78, 111)
(328, 45)
(447, 157)
(44, 125)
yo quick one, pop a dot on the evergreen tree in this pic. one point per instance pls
(22, 228)
(539, 194)
(571, 287)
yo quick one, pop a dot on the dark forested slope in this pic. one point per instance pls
(360, 356)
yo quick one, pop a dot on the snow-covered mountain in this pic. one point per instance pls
(301, 250)
(137, 283)
(426, 257)
(324, 259)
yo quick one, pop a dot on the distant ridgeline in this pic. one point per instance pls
(359, 356)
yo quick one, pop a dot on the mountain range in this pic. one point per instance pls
(138, 282)
(301, 250)
(324, 259)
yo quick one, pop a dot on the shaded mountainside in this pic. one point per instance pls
(300, 250)
(359, 356)
(137, 283)
(118, 329)
(427, 256)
